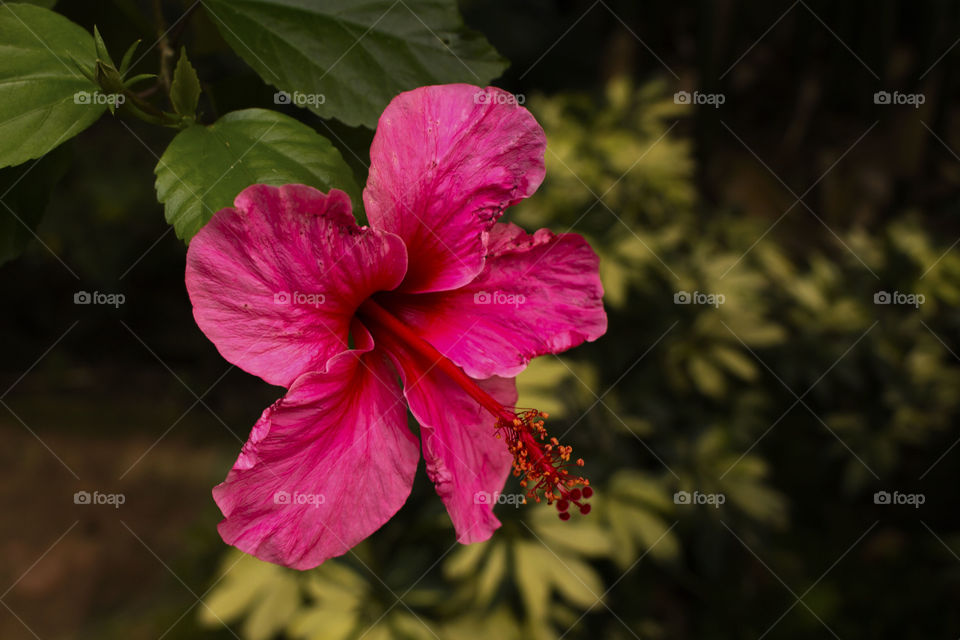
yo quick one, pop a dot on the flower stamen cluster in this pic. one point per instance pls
(543, 463)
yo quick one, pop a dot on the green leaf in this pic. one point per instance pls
(102, 53)
(532, 577)
(735, 362)
(490, 577)
(483, 624)
(46, 4)
(579, 535)
(128, 56)
(328, 624)
(707, 377)
(44, 98)
(538, 570)
(538, 385)
(244, 580)
(463, 562)
(24, 192)
(337, 585)
(405, 625)
(140, 77)
(185, 88)
(637, 531)
(204, 168)
(576, 581)
(337, 593)
(274, 608)
(348, 58)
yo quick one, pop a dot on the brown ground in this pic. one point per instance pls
(79, 571)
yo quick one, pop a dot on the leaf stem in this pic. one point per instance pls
(167, 52)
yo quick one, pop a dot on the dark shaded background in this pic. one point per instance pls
(136, 400)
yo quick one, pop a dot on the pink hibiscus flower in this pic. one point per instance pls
(435, 306)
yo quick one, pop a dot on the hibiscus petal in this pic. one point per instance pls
(324, 467)
(445, 162)
(275, 281)
(538, 294)
(465, 460)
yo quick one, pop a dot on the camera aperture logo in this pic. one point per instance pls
(482, 97)
(698, 297)
(887, 297)
(484, 497)
(299, 298)
(712, 499)
(112, 499)
(712, 99)
(896, 498)
(300, 99)
(96, 297)
(99, 98)
(297, 498)
(499, 298)
(898, 98)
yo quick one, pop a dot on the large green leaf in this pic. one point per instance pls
(24, 192)
(204, 168)
(39, 80)
(356, 55)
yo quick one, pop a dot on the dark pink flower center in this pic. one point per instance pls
(539, 460)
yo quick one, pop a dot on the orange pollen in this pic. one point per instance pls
(540, 461)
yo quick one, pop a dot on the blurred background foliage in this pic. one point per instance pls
(797, 398)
